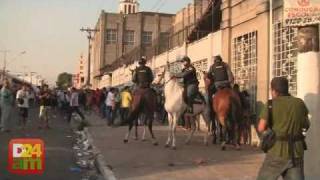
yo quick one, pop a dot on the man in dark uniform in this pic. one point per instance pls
(190, 81)
(142, 75)
(220, 74)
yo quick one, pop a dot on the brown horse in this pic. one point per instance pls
(227, 106)
(227, 109)
(143, 106)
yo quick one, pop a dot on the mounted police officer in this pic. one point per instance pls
(144, 98)
(143, 75)
(220, 74)
(190, 81)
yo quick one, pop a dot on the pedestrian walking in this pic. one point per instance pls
(44, 97)
(102, 103)
(74, 104)
(126, 100)
(6, 104)
(110, 105)
(22, 99)
(283, 123)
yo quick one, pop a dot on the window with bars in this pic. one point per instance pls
(244, 65)
(175, 67)
(111, 36)
(285, 52)
(201, 66)
(129, 37)
(147, 38)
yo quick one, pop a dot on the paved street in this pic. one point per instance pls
(143, 161)
(58, 142)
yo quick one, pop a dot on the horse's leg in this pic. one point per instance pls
(235, 116)
(144, 133)
(150, 122)
(223, 131)
(174, 128)
(197, 123)
(193, 125)
(126, 139)
(169, 129)
(224, 137)
(131, 118)
(136, 129)
(221, 135)
(207, 122)
(144, 128)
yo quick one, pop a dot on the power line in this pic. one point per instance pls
(156, 5)
(161, 5)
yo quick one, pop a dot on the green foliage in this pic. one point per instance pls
(64, 80)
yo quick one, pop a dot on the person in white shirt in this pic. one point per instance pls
(23, 104)
(110, 103)
(74, 104)
(61, 98)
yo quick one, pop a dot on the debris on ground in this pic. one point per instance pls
(200, 161)
(85, 157)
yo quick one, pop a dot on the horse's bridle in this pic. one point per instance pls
(162, 76)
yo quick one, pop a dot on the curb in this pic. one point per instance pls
(101, 164)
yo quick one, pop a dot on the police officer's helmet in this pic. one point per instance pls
(142, 60)
(217, 59)
(186, 59)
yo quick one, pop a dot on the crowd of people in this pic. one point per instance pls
(110, 104)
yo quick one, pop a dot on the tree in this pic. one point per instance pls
(64, 80)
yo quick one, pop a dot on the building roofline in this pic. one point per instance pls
(143, 12)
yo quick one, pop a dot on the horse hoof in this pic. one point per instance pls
(155, 144)
(143, 140)
(223, 148)
(174, 148)
(167, 146)
(125, 141)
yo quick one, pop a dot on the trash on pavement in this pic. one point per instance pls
(75, 169)
(200, 161)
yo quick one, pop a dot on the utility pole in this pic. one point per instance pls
(4, 62)
(89, 31)
(31, 74)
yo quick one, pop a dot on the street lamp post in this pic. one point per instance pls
(5, 52)
(89, 31)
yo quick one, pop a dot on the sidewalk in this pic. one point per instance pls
(143, 161)
(58, 145)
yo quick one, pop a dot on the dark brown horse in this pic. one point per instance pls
(227, 109)
(143, 106)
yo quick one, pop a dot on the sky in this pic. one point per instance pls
(49, 31)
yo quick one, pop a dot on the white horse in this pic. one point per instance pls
(175, 106)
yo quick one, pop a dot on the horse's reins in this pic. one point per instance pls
(162, 76)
